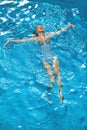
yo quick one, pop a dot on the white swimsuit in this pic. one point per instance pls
(46, 53)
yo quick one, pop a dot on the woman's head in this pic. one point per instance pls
(39, 29)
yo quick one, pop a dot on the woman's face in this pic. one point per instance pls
(39, 29)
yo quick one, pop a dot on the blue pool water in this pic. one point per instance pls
(23, 80)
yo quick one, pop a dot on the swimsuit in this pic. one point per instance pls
(46, 53)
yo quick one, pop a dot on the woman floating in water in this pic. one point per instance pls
(42, 38)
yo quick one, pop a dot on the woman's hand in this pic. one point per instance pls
(73, 26)
(6, 43)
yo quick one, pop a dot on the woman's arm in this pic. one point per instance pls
(59, 31)
(20, 40)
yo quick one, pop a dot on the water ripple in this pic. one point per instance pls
(23, 80)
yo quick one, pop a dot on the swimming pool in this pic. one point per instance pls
(23, 80)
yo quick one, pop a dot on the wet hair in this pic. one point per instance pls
(35, 33)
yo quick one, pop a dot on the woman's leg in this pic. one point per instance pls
(57, 71)
(56, 66)
(49, 71)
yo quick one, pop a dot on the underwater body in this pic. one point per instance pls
(23, 79)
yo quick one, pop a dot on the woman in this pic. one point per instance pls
(42, 38)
